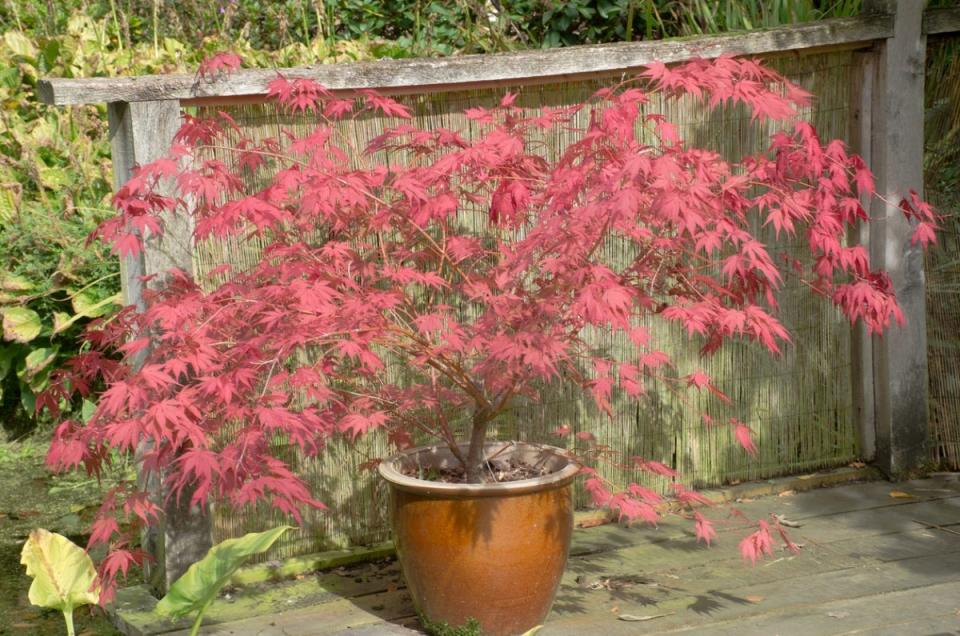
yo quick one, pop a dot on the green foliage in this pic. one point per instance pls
(54, 187)
(63, 574)
(56, 182)
(440, 628)
(469, 628)
(200, 584)
(942, 120)
(415, 27)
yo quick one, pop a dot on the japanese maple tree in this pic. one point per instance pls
(423, 284)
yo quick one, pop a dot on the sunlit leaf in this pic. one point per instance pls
(87, 305)
(19, 44)
(14, 283)
(20, 324)
(53, 178)
(62, 320)
(36, 366)
(63, 574)
(41, 134)
(9, 205)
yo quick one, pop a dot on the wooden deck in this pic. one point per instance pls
(877, 558)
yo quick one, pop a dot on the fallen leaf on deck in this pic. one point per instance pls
(755, 598)
(857, 465)
(899, 494)
(593, 523)
(838, 614)
(810, 476)
(636, 619)
(787, 493)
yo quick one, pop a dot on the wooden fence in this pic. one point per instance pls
(836, 396)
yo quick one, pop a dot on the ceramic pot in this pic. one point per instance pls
(492, 552)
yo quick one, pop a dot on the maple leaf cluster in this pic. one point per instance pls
(421, 285)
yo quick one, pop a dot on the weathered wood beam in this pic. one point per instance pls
(861, 368)
(451, 73)
(938, 21)
(142, 132)
(896, 158)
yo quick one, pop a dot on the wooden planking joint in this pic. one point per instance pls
(454, 73)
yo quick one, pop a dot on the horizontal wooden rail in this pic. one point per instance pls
(421, 74)
(939, 21)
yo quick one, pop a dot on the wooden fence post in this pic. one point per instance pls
(896, 157)
(141, 132)
(861, 358)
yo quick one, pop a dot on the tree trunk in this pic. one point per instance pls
(478, 436)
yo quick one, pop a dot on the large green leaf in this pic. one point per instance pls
(28, 399)
(53, 178)
(87, 305)
(19, 44)
(20, 324)
(41, 134)
(199, 585)
(63, 574)
(7, 355)
(9, 205)
(14, 283)
(62, 320)
(36, 366)
(87, 409)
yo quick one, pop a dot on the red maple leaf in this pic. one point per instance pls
(744, 437)
(223, 62)
(704, 528)
(757, 545)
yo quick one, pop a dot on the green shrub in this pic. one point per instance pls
(55, 187)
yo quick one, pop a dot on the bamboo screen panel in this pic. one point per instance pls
(942, 181)
(799, 405)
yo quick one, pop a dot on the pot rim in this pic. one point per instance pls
(389, 471)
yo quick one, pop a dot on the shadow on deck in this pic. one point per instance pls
(876, 558)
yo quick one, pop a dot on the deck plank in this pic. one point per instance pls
(866, 567)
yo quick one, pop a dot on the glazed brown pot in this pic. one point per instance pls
(491, 552)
